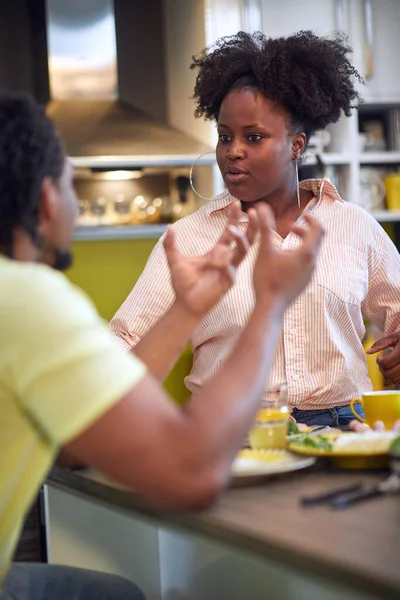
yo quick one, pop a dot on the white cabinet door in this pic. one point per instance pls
(384, 85)
(288, 16)
(326, 16)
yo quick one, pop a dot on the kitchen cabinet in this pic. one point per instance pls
(345, 155)
(383, 83)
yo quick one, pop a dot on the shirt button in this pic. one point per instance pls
(293, 331)
(295, 377)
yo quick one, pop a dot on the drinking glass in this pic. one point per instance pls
(270, 429)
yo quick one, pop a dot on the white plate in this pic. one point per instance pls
(246, 470)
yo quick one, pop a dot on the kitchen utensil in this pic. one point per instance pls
(144, 211)
(391, 485)
(122, 210)
(100, 211)
(163, 205)
(351, 494)
(326, 497)
(346, 496)
(316, 429)
(182, 208)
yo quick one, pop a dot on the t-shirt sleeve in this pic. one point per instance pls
(65, 366)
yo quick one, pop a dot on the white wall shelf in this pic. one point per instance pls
(386, 216)
(369, 158)
(336, 158)
(123, 232)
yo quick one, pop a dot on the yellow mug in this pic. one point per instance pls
(381, 405)
(392, 184)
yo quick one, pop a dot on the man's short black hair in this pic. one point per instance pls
(309, 76)
(30, 150)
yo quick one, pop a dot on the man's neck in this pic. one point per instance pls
(22, 248)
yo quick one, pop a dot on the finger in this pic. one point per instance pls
(303, 427)
(358, 427)
(170, 247)
(241, 249)
(396, 426)
(383, 343)
(392, 374)
(233, 222)
(266, 222)
(390, 359)
(378, 426)
(252, 227)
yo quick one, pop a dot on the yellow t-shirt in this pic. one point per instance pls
(60, 369)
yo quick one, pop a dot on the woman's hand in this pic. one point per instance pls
(200, 282)
(389, 363)
(285, 273)
(359, 427)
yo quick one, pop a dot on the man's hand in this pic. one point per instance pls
(200, 282)
(285, 273)
(359, 427)
(389, 363)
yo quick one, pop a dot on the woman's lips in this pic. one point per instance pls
(236, 177)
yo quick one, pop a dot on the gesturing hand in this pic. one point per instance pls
(200, 282)
(285, 273)
(389, 363)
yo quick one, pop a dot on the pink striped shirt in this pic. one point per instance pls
(320, 356)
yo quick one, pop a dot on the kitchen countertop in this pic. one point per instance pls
(121, 232)
(359, 546)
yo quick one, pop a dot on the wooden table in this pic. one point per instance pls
(357, 549)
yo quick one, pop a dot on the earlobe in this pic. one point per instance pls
(296, 154)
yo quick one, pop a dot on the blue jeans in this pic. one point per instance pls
(29, 581)
(340, 416)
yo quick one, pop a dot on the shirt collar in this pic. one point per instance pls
(318, 187)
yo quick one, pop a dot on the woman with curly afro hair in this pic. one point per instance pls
(267, 97)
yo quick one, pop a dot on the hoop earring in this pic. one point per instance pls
(297, 181)
(191, 175)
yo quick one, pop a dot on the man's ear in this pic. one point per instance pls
(47, 206)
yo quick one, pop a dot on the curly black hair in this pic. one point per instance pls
(30, 150)
(309, 76)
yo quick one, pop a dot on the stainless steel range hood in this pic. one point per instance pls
(107, 92)
(107, 133)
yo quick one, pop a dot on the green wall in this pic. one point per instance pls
(107, 271)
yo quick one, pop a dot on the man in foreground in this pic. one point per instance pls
(65, 384)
